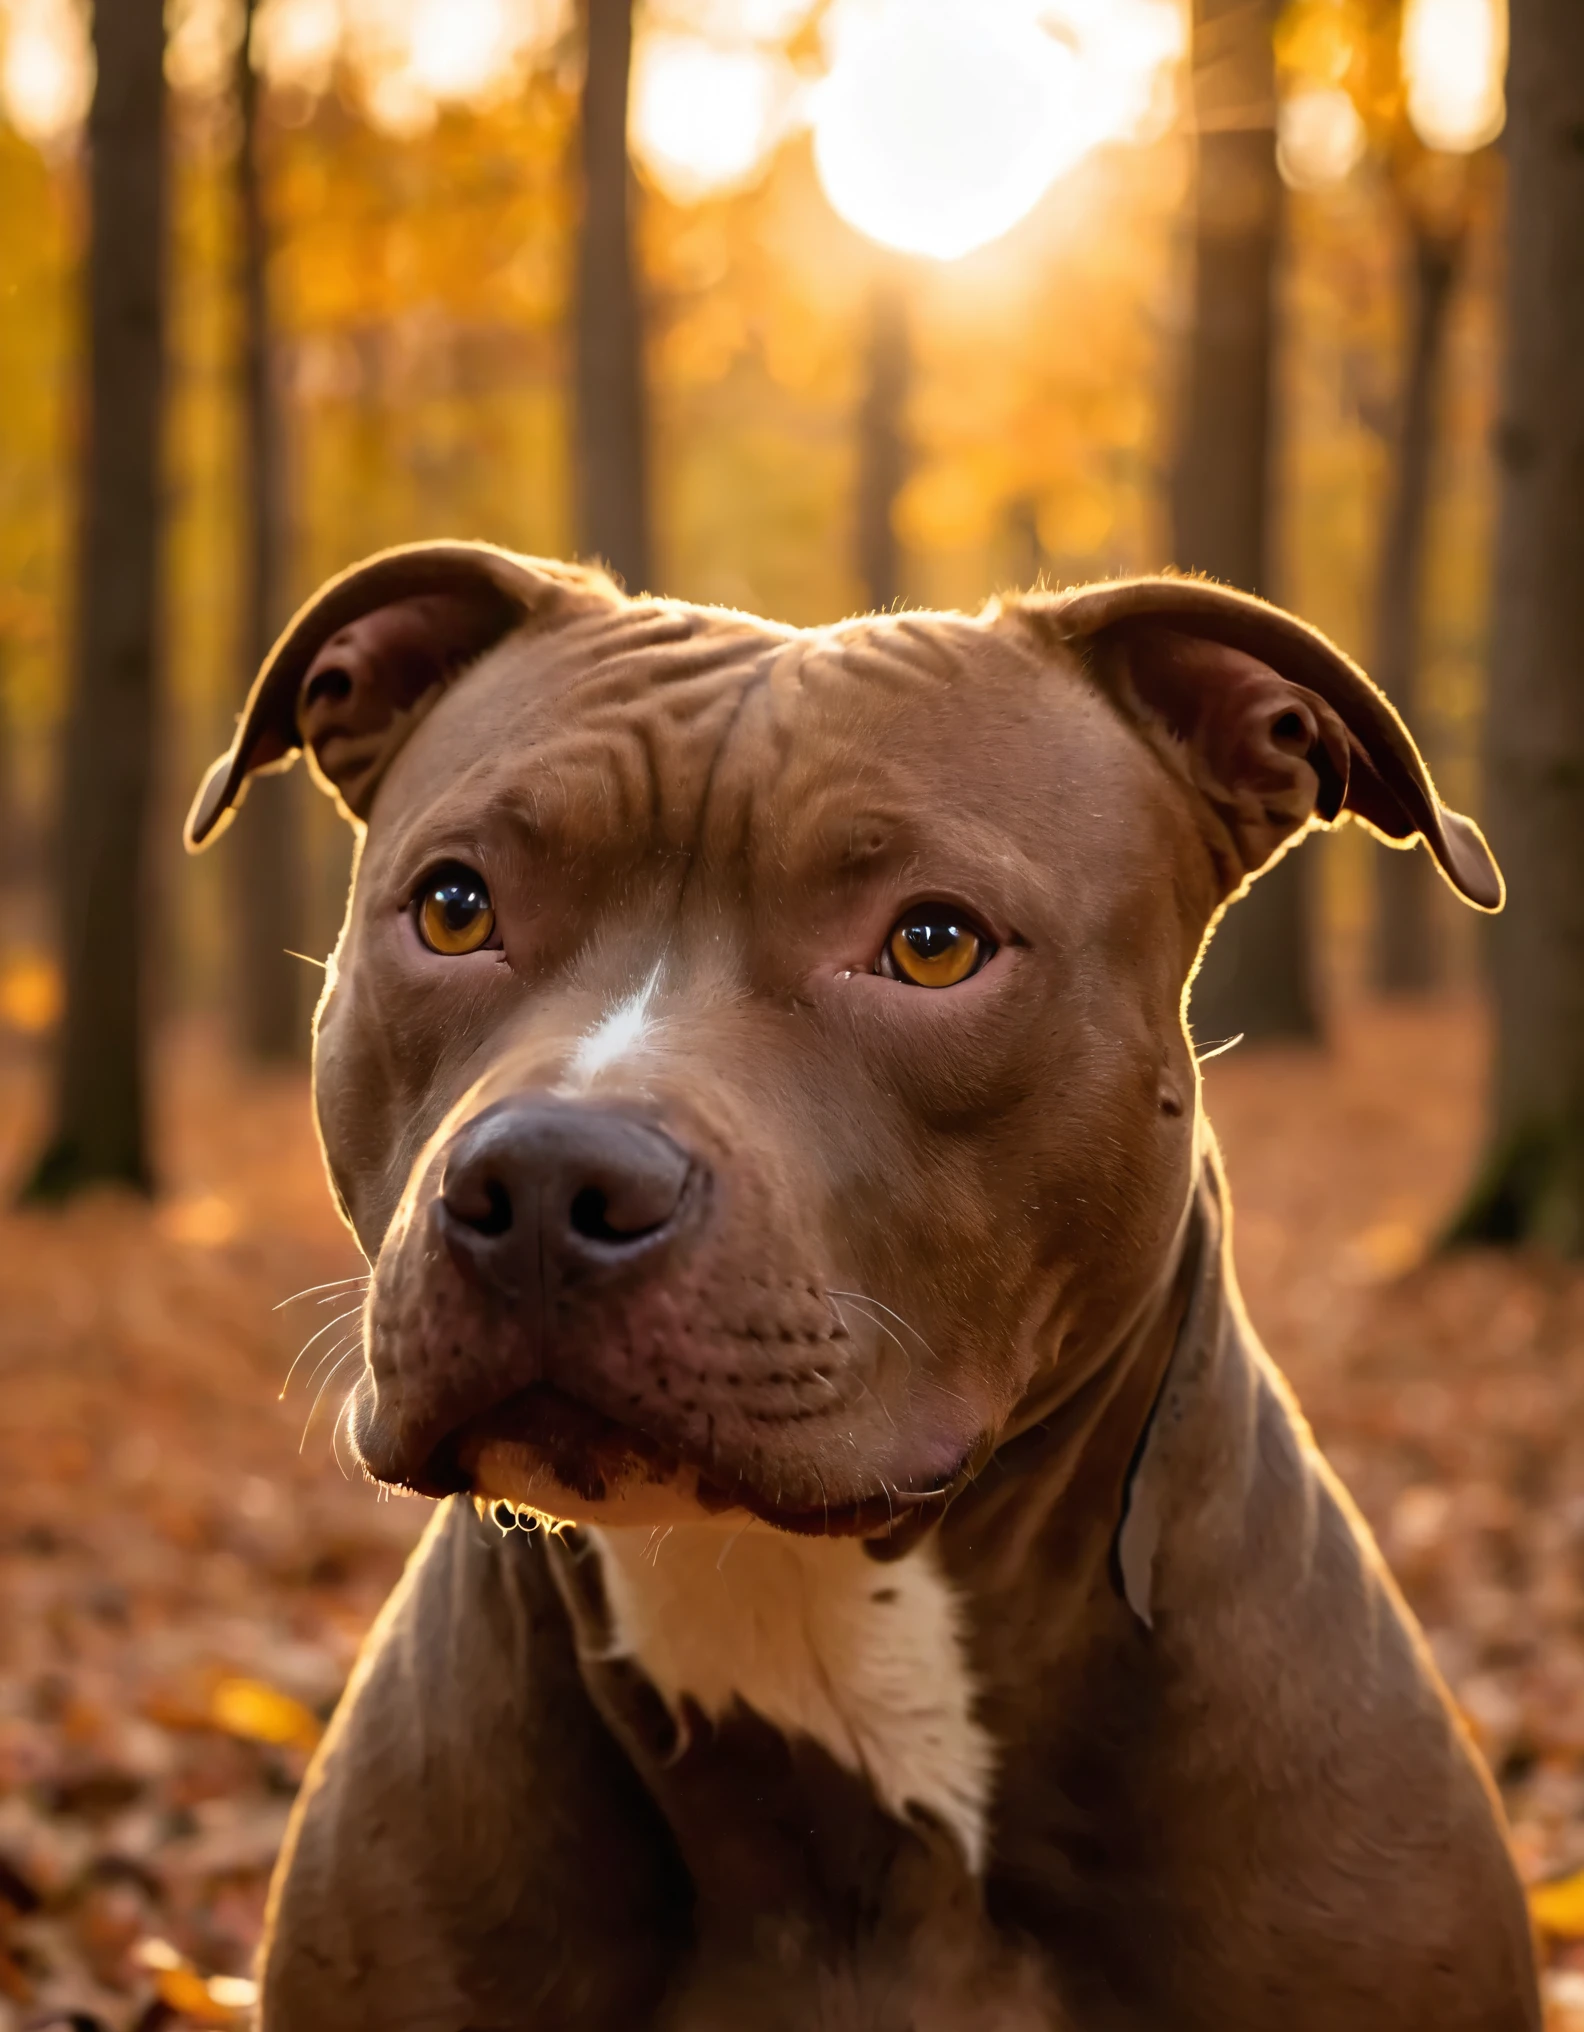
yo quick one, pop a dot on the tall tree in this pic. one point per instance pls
(1407, 958)
(1258, 975)
(10, 820)
(610, 452)
(267, 857)
(100, 1129)
(882, 447)
(1532, 1185)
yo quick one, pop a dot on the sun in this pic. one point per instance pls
(941, 123)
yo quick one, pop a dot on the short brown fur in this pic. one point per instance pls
(1231, 1790)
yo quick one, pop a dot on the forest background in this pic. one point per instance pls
(590, 280)
(421, 203)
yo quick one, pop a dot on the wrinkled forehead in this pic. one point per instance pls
(676, 732)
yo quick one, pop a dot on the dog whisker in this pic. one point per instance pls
(308, 1290)
(885, 1409)
(726, 1548)
(852, 1298)
(335, 1438)
(906, 1325)
(323, 1387)
(341, 1347)
(350, 1313)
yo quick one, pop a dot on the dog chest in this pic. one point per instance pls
(820, 1641)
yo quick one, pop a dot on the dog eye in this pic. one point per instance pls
(934, 946)
(454, 911)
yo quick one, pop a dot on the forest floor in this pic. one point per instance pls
(186, 1571)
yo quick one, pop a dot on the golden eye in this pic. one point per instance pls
(935, 946)
(455, 914)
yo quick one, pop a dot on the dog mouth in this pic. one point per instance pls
(542, 1440)
(544, 1450)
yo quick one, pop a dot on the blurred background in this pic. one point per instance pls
(803, 306)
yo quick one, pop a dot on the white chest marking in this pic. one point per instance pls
(821, 1641)
(618, 1034)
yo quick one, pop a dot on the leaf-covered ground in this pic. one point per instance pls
(182, 1589)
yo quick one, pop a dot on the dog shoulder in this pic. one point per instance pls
(467, 1832)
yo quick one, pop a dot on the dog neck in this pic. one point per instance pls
(820, 1640)
(874, 1657)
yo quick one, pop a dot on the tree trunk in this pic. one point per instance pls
(882, 444)
(1533, 1181)
(1258, 977)
(1407, 953)
(612, 504)
(267, 854)
(12, 870)
(100, 1125)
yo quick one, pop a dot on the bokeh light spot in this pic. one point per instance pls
(1320, 137)
(1454, 57)
(705, 119)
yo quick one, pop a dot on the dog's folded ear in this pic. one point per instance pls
(367, 657)
(1270, 723)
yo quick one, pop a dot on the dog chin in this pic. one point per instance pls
(633, 1492)
(545, 1455)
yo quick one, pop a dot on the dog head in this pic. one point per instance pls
(754, 1060)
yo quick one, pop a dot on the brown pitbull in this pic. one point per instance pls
(755, 1067)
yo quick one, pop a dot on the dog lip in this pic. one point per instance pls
(589, 1452)
(567, 1432)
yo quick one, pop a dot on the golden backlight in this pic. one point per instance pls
(938, 124)
(942, 122)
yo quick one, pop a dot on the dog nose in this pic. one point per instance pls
(537, 1188)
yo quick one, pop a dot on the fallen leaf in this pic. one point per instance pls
(260, 1713)
(1558, 1907)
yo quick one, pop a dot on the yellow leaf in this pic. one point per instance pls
(262, 1714)
(1558, 1907)
(203, 2000)
(30, 993)
(184, 1990)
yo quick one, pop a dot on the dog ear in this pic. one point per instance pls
(1271, 724)
(369, 655)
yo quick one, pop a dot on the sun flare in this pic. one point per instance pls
(941, 123)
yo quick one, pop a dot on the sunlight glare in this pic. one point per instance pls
(729, 23)
(705, 118)
(941, 123)
(46, 72)
(295, 42)
(458, 48)
(1454, 56)
(417, 55)
(200, 45)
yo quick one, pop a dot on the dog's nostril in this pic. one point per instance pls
(332, 686)
(482, 1204)
(539, 1189)
(593, 1217)
(497, 1217)
(1291, 732)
